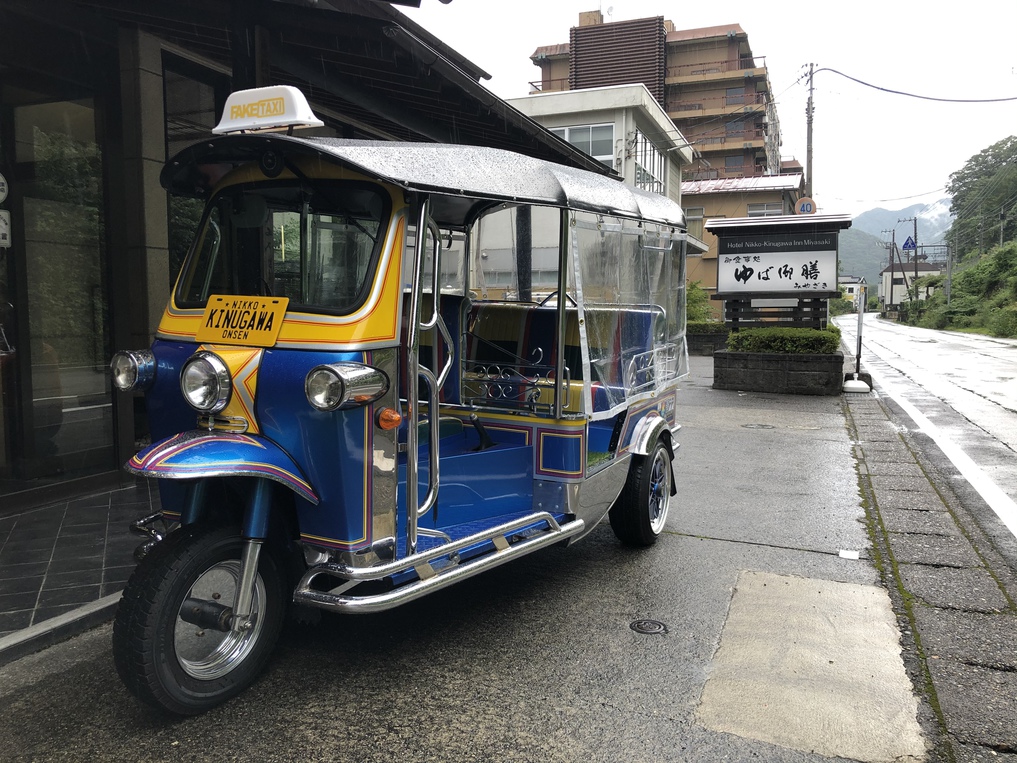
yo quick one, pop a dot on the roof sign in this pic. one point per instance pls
(279, 107)
(909, 244)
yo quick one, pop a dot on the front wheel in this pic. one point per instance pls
(639, 514)
(187, 666)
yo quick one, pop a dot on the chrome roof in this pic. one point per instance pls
(463, 179)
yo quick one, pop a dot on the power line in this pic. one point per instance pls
(913, 95)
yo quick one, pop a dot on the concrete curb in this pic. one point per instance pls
(56, 629)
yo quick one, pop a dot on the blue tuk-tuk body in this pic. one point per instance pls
(386, 367)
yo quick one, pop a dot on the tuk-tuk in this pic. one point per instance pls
(386, 367)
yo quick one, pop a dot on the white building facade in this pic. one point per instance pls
(623, 126)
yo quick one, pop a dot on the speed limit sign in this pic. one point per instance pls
(805, 206)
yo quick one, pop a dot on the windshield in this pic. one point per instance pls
(316, 245)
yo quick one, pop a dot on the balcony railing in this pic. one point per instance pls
(550, 85)
(714, 104)
(704, 142)
(720, 173)
(707, 68)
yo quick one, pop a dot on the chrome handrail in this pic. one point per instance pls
(412, 373)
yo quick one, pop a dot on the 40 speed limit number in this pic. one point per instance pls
(805, 206)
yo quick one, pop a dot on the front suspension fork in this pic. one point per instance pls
(254, 531)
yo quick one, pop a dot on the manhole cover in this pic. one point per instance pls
(648, 626)
(758, 426)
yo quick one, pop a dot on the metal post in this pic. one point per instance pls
(808, 139)
(861, 315)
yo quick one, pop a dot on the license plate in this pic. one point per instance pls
(248, 321)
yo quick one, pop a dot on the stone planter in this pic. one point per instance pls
(783, 373)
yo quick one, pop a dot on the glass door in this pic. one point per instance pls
(57, 413)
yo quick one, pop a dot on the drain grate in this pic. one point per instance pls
(648, 626)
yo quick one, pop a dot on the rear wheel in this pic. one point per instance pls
(639, 514)
(171, 662)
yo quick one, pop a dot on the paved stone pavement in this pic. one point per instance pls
(953, 590)
(62, 566)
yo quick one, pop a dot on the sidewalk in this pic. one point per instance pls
(63, 566)
(953, 591)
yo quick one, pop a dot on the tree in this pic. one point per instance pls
(984, 195)
(697, 303)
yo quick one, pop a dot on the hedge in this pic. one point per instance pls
(706, 327)
(796, 341)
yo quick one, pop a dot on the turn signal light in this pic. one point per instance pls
(389, 418)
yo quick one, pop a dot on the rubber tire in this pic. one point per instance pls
(143, 630)
(638, 515)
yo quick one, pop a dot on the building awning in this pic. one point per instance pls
(753, 184)
(752, 225)
(368, 69)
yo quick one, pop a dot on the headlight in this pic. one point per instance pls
(132, 369)
(205, 382)
(344, 385)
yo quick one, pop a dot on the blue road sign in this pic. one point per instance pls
(909, 244)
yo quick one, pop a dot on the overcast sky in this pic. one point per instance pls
(870, 148)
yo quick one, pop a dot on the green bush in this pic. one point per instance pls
(798, 341)
(1004, 322)
(842, 307)
(706, 327)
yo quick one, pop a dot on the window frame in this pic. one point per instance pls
(566, 134)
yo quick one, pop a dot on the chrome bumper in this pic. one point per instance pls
(435, 568)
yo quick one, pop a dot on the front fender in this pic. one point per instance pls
(197, 454)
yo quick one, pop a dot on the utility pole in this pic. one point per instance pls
(914, 221)
(882, 292)
(808, 139)
(914, 252)
(893, 249)
(949, 272)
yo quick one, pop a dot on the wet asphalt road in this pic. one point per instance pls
(537, 660)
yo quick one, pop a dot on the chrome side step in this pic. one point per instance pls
(431, 576)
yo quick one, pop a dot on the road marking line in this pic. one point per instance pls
(1004, 507)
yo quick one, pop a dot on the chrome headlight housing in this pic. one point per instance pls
(344, 385)
(132, 369)
(205, 382)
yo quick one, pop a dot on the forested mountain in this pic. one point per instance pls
(862, 248)
(933, 222)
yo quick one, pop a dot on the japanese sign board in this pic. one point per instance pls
(5, 229)
(909, 244)
(782, 263)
